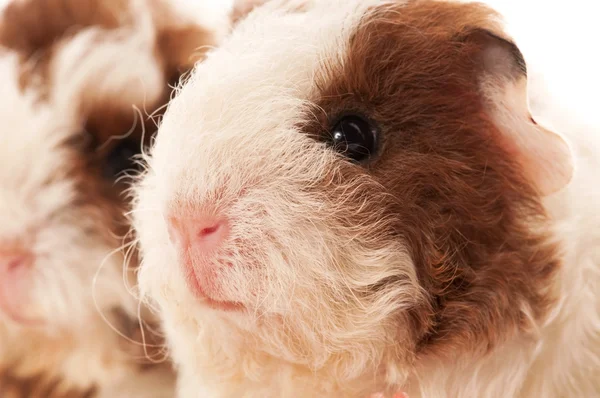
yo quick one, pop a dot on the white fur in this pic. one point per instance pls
(228, 145)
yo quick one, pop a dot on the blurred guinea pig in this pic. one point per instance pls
(352, 196)
(78, 80)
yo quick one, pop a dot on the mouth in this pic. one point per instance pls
(10, 308)
(194, 281)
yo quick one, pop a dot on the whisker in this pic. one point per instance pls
(120, 137)
(97, 306)
(138, 210)
(145, 345)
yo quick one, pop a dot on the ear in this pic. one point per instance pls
(545, 155)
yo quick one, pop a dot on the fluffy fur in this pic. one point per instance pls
(71, 79)
(444, 267)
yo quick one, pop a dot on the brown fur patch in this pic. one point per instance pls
(36, 28)
(31, 26)
(180, 44)
(182, 47)
(468, 213)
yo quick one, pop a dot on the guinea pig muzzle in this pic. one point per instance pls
(16, 269)
(197, 240)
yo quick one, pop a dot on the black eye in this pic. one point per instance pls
(354, 137)
(120, 158)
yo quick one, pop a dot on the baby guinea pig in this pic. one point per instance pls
(68, 324)
(351, 196)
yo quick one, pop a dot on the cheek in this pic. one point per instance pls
(77, 272)
(312, 251)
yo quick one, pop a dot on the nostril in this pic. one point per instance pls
(210, 234)
(12, 261)
(204, 232)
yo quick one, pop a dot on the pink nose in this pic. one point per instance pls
(15, 271)
(200, 235)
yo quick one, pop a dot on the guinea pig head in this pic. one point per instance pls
(62, 204)
(353, 183)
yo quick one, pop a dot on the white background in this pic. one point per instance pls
(563, 38)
